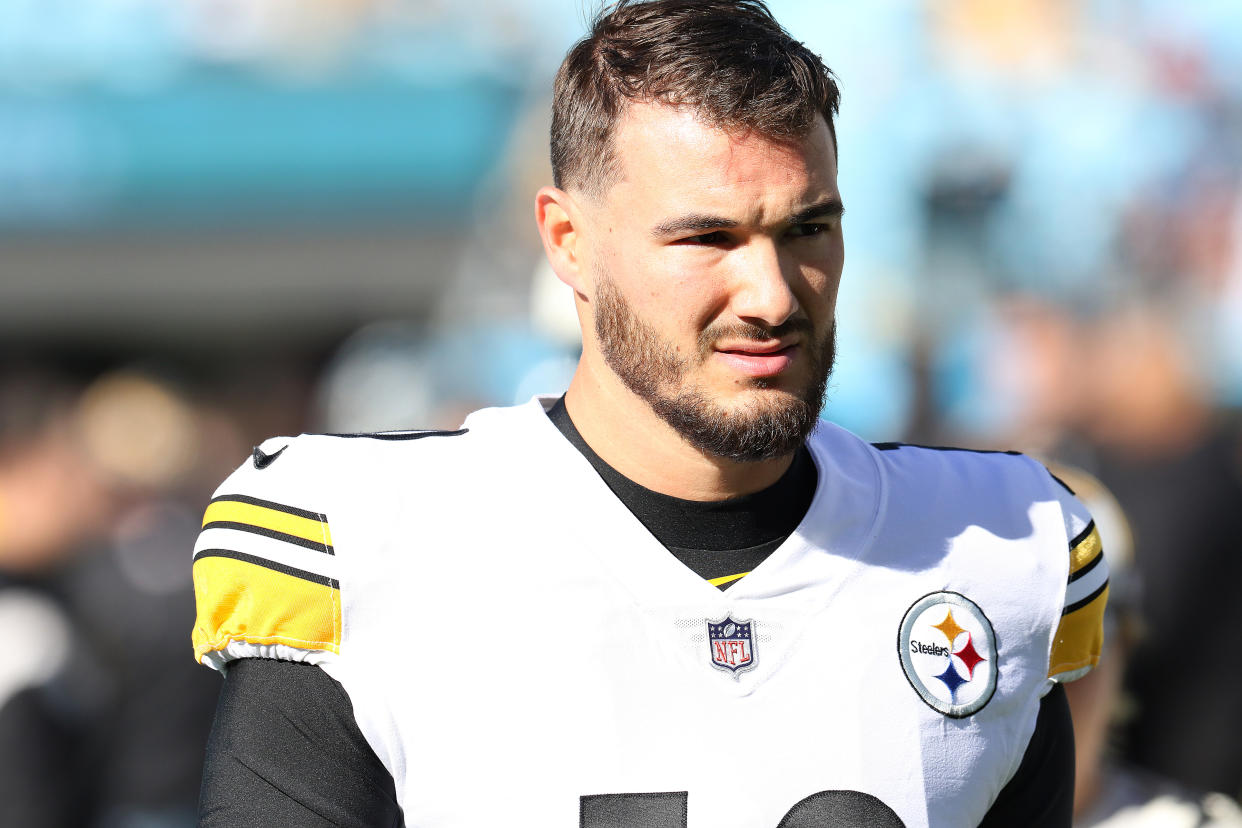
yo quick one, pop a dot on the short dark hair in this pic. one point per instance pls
(728, 60)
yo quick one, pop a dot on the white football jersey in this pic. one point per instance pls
(520, 651)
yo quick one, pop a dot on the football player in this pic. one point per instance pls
(671, 597)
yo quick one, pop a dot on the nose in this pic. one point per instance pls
(762, 291)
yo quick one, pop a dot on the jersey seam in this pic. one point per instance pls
(215, 645)
(1066, 667)
(881, 504)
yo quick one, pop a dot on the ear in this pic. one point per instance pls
(559, 222)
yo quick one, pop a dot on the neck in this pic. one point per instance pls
(623, 430)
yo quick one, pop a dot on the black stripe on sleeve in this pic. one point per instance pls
(317, 546)
(1077, 605)
(269, 504)
(1087, 567)
(313, 577)
(1083, 535)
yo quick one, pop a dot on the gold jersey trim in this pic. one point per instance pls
(268, 518)
(1079, 636)
(244, 598)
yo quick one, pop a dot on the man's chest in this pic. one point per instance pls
(556, 695)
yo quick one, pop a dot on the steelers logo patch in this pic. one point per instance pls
(948, 650)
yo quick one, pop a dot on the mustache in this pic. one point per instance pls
(750, 331)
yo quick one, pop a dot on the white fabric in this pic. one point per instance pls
(514, 639)
(285, 554)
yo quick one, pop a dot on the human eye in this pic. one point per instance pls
(713, 239)
(810, 228)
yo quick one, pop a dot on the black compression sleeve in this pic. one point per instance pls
(1041, 793)
(285, 751)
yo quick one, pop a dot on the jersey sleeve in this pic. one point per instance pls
(265, 576)
(1041, 792)
(285, 750)
(1079, 636)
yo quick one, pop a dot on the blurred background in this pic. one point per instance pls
(222, 220)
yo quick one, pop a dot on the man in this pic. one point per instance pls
(671, 598)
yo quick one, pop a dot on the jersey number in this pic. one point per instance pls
(826, 809)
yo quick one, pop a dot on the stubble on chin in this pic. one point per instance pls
(765, 427)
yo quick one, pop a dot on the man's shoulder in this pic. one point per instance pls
(319, 454)
(311, 465)
(935, 466)
(974, 477)
(931, 459)
(302, 513)
(978, 481)
(311, 472)
(1011, 519)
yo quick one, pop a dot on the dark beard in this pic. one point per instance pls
(652, 369)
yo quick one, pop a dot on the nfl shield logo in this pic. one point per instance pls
(732, 644)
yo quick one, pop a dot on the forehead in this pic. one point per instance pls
(669, 159)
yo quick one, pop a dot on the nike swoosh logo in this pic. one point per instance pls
(262, 461)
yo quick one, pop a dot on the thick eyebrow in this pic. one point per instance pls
(830, 207)
(694, 223)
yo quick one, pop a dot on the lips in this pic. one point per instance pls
(759, 359)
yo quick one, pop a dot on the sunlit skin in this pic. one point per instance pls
(703, 227)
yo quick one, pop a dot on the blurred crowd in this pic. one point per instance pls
(1044, 253)
(103, 718)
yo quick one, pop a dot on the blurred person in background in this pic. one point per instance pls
(132, 597)
(1108, 792)
(42, 469)
(101, 724)
(1174, 461)
(52, 690)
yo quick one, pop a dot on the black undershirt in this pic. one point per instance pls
(717, 538)
(286, 751)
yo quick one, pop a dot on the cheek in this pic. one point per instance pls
(670, 290)
(681, 313)
(821, 286)
(833, 260)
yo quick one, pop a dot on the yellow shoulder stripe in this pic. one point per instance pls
(1085, 548)
(248, 600)
(1079, 637)
(241, 512)
(727, 579)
